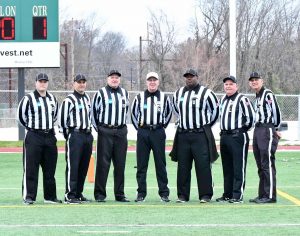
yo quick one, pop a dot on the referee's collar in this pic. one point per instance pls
(148, 94)
(196, 88)
(78, 94)
(260, 92)
(114, 90)
(233, 96)
(37, 94)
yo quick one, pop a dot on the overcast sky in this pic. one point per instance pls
(130, 16)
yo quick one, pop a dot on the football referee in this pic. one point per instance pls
(75, 123)
(151, 114)
(37, 112)
(196, 106)
(265, 138)
(109, 112)
(236, 118)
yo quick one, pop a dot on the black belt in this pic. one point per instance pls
(265, 125)
(151, 127)
(112, 126)
(85, 131)
(42, 131)
(197, 130)
(233, 131)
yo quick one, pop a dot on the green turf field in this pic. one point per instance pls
(152, 217)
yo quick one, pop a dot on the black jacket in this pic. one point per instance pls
(213, 153)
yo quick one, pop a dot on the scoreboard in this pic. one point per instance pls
(29, 33)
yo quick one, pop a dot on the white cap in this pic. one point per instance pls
(152, 75)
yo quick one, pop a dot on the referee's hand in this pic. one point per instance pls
(279, 135)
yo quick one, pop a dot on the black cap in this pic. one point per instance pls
(190, 72)
(254, 75)
(230, 77)
(41, 76)
(79, 77)
(114, 72)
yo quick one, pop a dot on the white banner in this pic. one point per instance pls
(26, 55)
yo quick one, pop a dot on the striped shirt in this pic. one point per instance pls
(37, 112)
(195, 108)
(110, 107)
(75, 112)
(151, 109)
(266, 108)
(236, 112)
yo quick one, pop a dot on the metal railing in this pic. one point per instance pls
(289, 105)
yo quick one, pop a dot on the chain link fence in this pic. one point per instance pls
(289, 105)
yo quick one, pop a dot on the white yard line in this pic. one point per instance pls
(268, 225)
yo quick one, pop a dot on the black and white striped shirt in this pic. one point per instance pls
(151, 109)
(75, 112)
(236, 112)
(195, 108)
(37, 112)
(110, 107)
(266, 108)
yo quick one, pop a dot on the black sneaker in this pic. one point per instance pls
(83, 199)
(100, 199)
(205, 199)
(233, 200)
(28, 201)
(165, 199)
(52, 201)
(223, 199)
(265, 200)
(181, 200)
(139, 199)
(122, 199)
(253, 200)
(73, 201)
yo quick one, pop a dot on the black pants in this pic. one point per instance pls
(265, 142)
(39, 149)
(193, 147)
(111, 146)
(154, 140)
(79, 148)
(234, 152)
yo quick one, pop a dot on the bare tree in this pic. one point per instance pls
(162, 40)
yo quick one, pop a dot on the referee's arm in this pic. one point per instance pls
(248, 113)
(95, 110)
(55, 111)
(63, 117)
(213, 106)
(274, 108)
(167, 112)
(23, 111)
(135, 112)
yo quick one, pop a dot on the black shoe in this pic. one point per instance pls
(52, 201)
(28, 201)
(72, 201)
(205, 199)
(233, 200)
(253, 200)
(265, 200)
(139, 199)
(223, 199)
(165, 199)
(83, 199)
(100, 199)
(122, 199)
(181, 200)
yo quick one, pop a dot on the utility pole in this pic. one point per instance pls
(65, 57)
(232, 36)
(72, 49)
